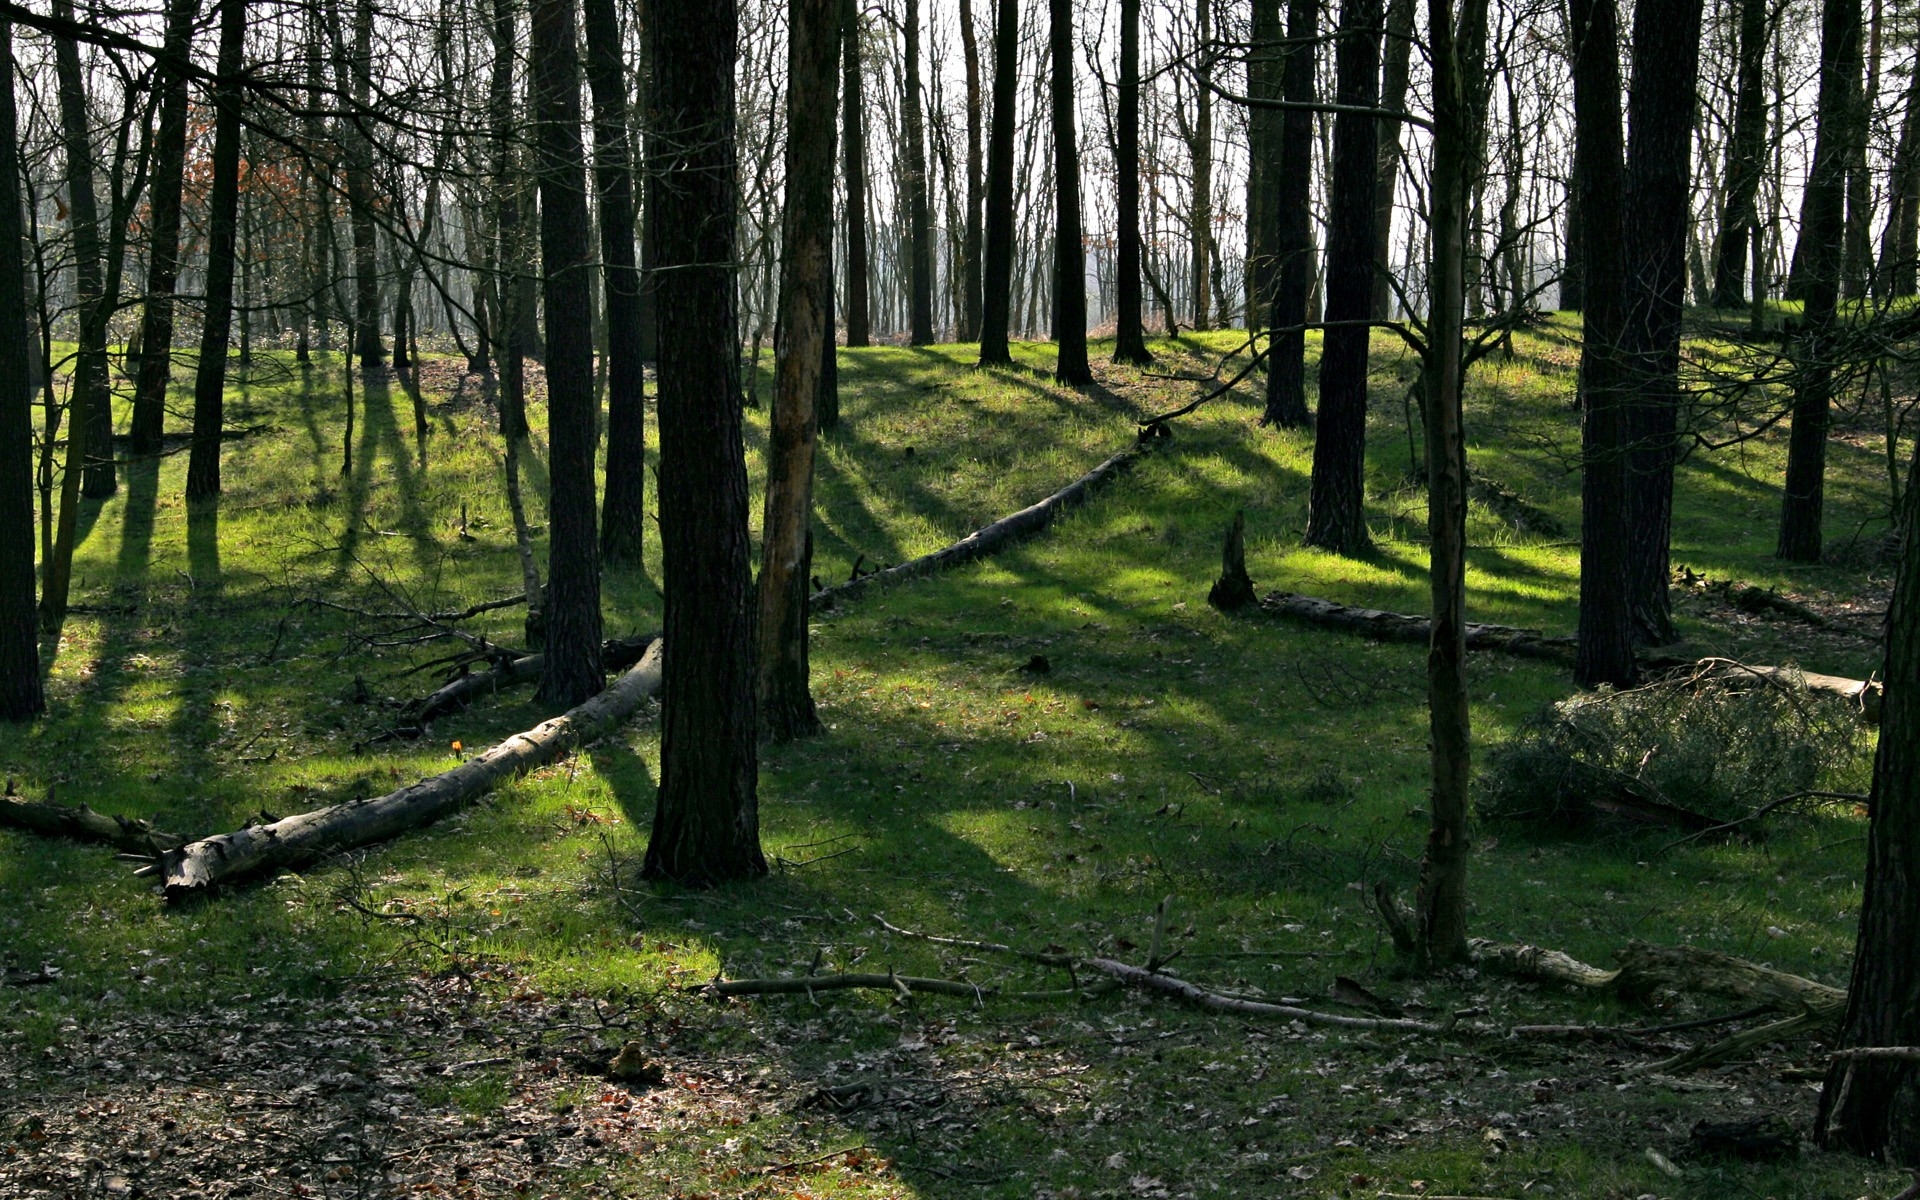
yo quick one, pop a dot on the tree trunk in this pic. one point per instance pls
(1739, 218)
(1666, 70)
(573, 548)
(1069, 252)
(971, 247)
(1900, 242)
(223, 205)
(90, 408)
(919, 226)
(508, 327)
(1336, 506)
(1856, 268)
(996, 299)
(706, 826)
(163, 244)
(1872, 1106)
(1573, 272)
(366, 262)
(1293, 200)
(1605, 650)
(859, 318)
(1130, 341)
(805, 327)
(1393, 97)
(1822, 245)
(20, 693)
(1201, 149)
(623, 521)
(1265, 58)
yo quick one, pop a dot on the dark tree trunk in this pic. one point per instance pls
(971, 244)
(572, 672)
(624, 517)
(1393, 97)
(20, 694)
(366, 262)
(706, 826)
(90, 409)
(919, 226)
(1872, 1107)
(996, 299)
(1666, 70)
(1336, 506)
(1573, 272)
(1739, 216)
(508, 327)
(859, 317)
(1293, 199)
(223, 207)
(163, 245)
(803, 338)
(1822, 239)
(1130, 342)
(1900, 242)
(1856, 260)
(1604, 652)
(1264, 71)
(1200, 243)
(1069, 253)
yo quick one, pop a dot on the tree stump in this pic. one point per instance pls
(1233, 590)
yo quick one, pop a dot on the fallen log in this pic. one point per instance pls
(457, 693)
(83, 824)
(996, 537)
(904, 986)
(1863, 694)
(206, 864)
(1199, 997)
(1401, 627)
(1645, 969)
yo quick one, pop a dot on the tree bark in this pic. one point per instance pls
(624, 515)
(1872, 1106)
(972, 246)
(1739, 217)
(1394, 72)
(996, 312)
(572, 639)
(806, 327)
(859, 317)
(163, 244)
(20, 691)
(919, 226)
(1130, 341)
(1336, 505)
(90, 408)
(706, 826)
(1069, 251)
(1293, 198)
(508, 328)
(366, 263)
(223, 204)
(1201, 148)
(1822, 245)
(1900, 242)
(1660, 111)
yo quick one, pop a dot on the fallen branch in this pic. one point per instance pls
(1712, 1053)
(1767, 809)
(83, 824)
(1864, 694)
(903, 986)
(207, 863)
(1194, 994)
(1400, 627)
(457, 693)
(997, 536)
(1887, 1053)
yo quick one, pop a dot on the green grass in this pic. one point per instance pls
(1262, 774)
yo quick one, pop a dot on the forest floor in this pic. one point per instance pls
(435, 1016)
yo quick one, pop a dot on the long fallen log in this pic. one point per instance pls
(1194, 994)
(615, 654)
(1401, 627)
(1645, 969)
(83, 824)
(1863, 694)
(203, 865)
(996, 537)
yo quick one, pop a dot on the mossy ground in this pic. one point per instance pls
(1263, 775)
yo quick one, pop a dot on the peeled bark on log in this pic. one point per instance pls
(1864, 694)
(210, 862)
(82, 824)
(1401, 627)
(1234, 589)
(995, 537)
(1644, 969)
(456, 694)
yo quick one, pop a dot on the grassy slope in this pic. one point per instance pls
(1258, 772)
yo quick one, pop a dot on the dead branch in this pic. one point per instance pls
(462, 690)
(129, 834)
(1158, 981)
(1400, 627)
(903, 986)
(1863, 694)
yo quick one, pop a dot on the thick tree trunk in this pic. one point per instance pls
(1856, 260)
(706, 826)
(573, 670)
(1573, 272)
(1900, 242)
(1872, 1106)
(1666, 57)
(806, 326)
(1336, 505)
(996, 300)
(623, 518)
(1393, 97)
(1069, 252)
(859, 318)
(1293, 199)
(507, 295)
(223, 204)
(201, 866)
(1605, 651)
(1200, 262)
(163, 244)
(1822, 244)
(1266, 57)
(972, 243)
(919, 226)
(20, 693)
(90, 409)
(360, 198)
(1129, 341)
(1739, 217)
